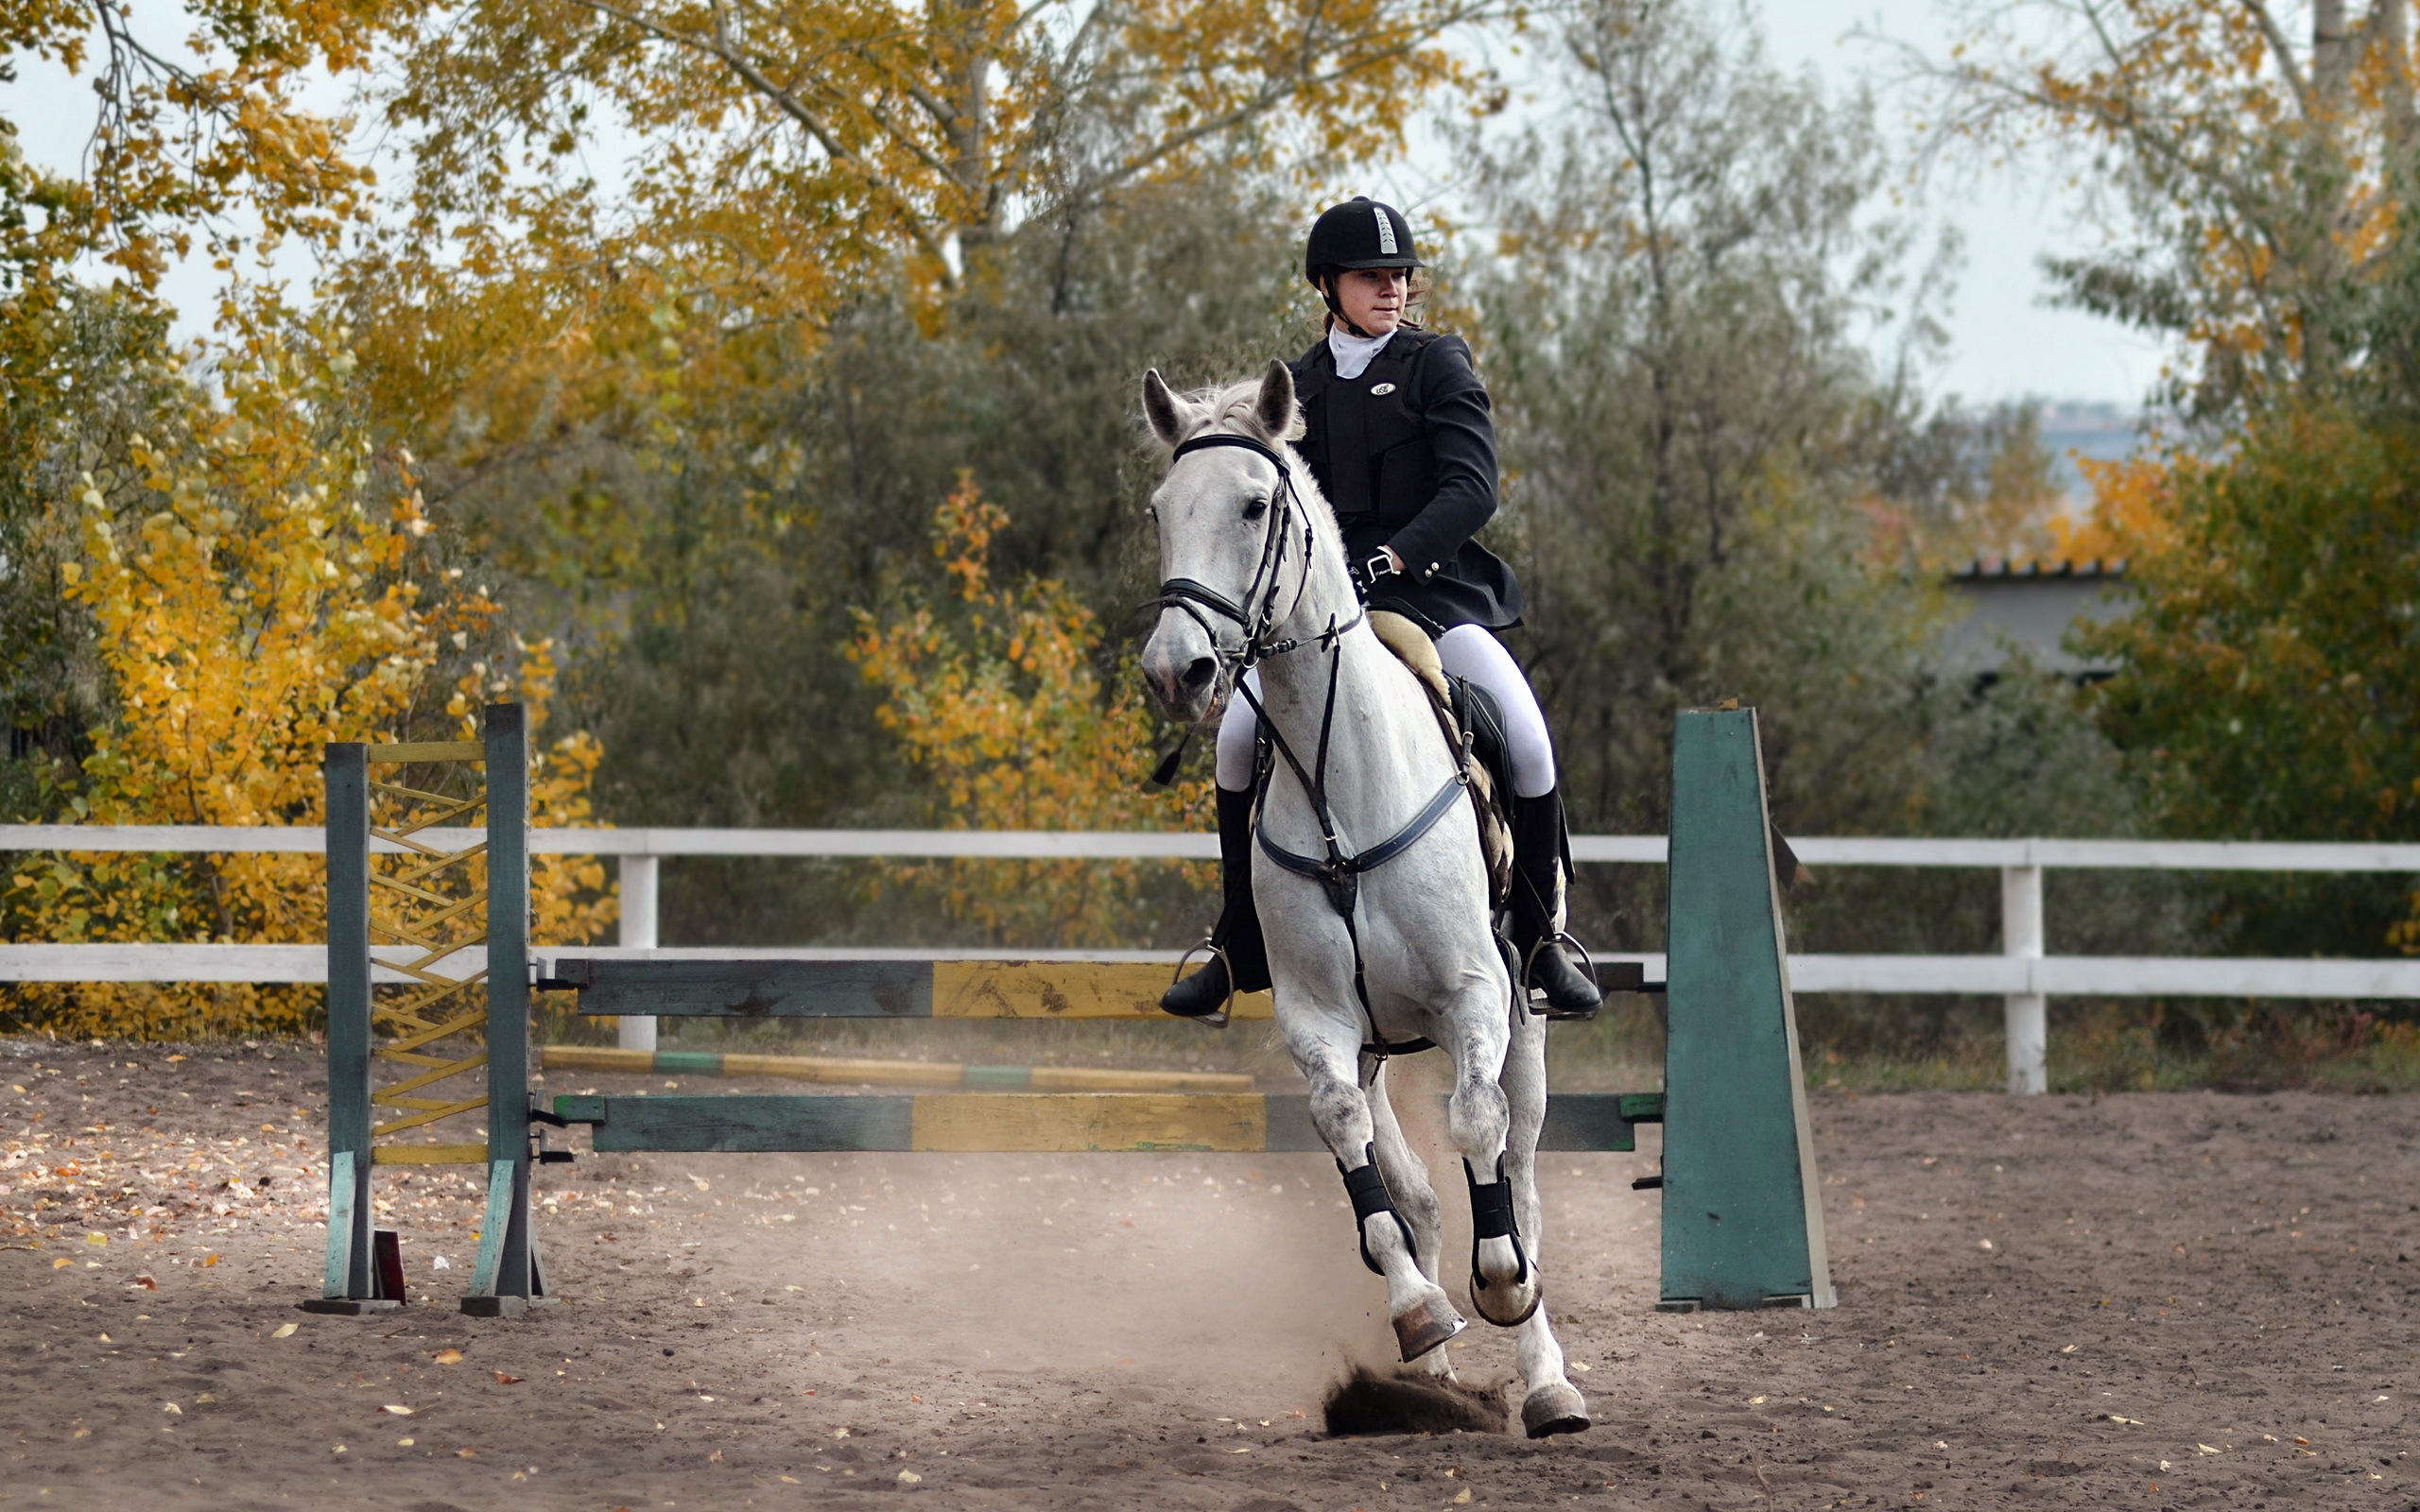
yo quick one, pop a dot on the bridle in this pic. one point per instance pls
(1256, 620)
(1257, 616)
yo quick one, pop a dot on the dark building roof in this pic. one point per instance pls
(2028, 607)
(1986, 570)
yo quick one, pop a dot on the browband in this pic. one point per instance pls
(1246, 444)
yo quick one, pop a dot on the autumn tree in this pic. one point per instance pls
(1715, 490)
(2254, 178)
(201, 137)
(1004, 695)
(2269, 662)
(1668, 339)
(260, 581)
(786, 156)
(2254, 171)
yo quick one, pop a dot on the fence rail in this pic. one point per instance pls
(2023, 975)
(1137, 845)
(1977, 975)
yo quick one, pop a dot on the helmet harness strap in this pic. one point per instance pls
(1336, 311)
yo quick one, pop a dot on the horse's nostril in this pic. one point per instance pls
(1197, 676)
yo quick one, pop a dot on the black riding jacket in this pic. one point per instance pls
(1407, 455)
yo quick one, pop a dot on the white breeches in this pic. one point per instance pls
(1468, 651)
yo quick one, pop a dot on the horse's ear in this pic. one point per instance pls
(1275, 409)
(1166, 412)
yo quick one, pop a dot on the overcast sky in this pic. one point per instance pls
(2006, 343)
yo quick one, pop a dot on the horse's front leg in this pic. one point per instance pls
(1329, 1054)
(1550, 1403)
(1407, 1184)
(1504, 1281)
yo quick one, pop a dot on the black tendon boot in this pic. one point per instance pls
(1537, 910)
(1203, 995)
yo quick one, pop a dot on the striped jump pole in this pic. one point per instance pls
(851, 1071)
(795, 989)
(1038, 1123)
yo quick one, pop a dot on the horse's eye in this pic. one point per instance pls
(1255, 507)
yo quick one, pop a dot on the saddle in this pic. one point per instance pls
(1463, 705)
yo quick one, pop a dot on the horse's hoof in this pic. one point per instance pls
(1497, 1303)
(1426, 1326)
(1556, 1407)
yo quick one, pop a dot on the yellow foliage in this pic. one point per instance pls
(999, 694)
(800, 154)
(2265, 164)
(569, 900)
(266, 596)
(2132, 514)
(190, 131)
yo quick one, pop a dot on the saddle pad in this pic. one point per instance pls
(1448, 696)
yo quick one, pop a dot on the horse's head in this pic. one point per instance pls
(1222, 519)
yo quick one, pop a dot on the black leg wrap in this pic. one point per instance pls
(1491, 1218)
(1367, 1189)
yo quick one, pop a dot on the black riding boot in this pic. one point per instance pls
(1537, 892)
(1203, 995)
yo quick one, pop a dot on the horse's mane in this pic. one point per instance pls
(1236, 407)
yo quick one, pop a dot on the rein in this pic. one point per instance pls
(1339, 873)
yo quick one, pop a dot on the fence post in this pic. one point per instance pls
(2027, 1013)
(637, 1031)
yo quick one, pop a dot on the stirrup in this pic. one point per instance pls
(1217, 1020)
(1536, 997)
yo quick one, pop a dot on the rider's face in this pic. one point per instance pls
(1373, 299)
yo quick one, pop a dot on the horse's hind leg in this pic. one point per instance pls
(1408, 1180)
(1418, 1308)
(1550, 1403)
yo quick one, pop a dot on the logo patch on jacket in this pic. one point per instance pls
(1382, 389)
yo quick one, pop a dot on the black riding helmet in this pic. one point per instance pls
(1359, 233)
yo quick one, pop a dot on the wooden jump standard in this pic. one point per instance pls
(1737, 1155)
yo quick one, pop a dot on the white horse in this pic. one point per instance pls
(1373, 895)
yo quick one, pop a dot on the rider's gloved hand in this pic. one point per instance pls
(1368, 573)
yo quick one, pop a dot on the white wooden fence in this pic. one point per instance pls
(2021, 975)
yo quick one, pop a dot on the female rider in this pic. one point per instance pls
(1395, 430)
